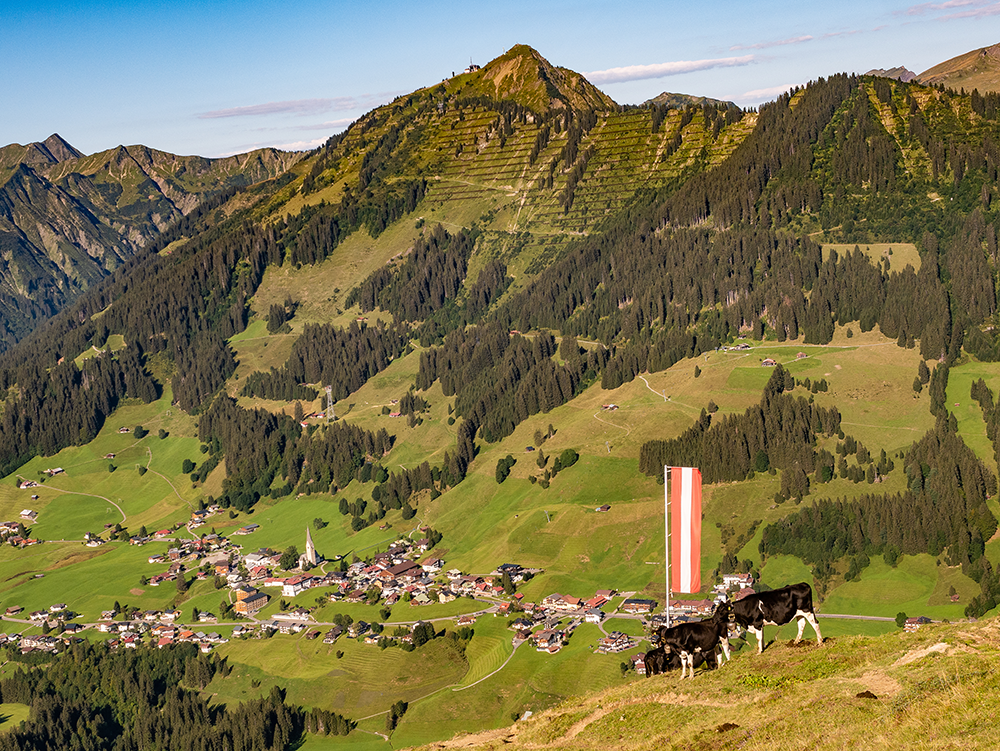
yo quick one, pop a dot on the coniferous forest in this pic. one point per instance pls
(92, 698)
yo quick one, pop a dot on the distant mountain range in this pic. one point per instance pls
(67, 220)
(899, 73)
(679, 101)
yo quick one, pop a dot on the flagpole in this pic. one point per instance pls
(666, 531)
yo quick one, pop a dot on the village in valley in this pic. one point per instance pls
(408, 572)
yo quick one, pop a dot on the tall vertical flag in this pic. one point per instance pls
(685, 528)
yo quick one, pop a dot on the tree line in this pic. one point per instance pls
(943, 511)
(779, 432)
(344, 358)
(92, 698)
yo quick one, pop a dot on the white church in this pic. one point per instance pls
(310, 558)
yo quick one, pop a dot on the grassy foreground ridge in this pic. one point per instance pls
(933, 689)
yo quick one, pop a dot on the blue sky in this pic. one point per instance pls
(216, 78)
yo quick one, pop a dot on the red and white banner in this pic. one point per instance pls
(685, 529)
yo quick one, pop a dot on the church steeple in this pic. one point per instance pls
(310, 556)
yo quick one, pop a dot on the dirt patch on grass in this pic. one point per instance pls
(987, 636)
(671, 697)
(504, 735)
(638, 547)
(880, 684)
(688, 700)
(917, 654)
(73, 558)
(136, 592)
(578, 727)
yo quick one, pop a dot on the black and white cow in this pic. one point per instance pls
(659, 661)
(776, 608)
(701, 638)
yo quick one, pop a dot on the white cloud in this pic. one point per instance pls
(662, 70)
(976, 9)
(290, 146)
(301, 145)
(298, 107)
(777, 43)
(330, 125)
(983, 12)
(919, 10)
(832, 34)
(764, 95)
(304, 106)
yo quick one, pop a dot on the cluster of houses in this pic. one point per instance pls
(151, 626)
(14, 534)
(550, 613)
(555, 608)
(157, 627)
(734, 586)
(388, 577)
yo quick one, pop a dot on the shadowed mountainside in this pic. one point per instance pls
(67, 220)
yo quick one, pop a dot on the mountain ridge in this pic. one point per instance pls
(900, 73)
(676, 101)
(522, 75)
(70, 219)
(976, 69)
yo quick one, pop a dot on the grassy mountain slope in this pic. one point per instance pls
(679, 101)
(522, 75)
(530, 174)
(483, 524)
(978, 69)
(925, 689)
